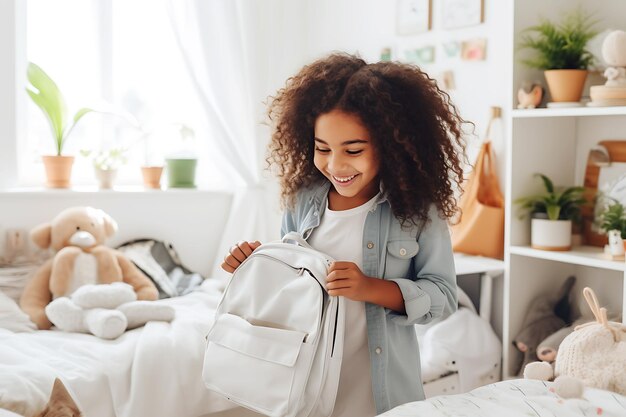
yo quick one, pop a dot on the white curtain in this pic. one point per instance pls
(238, 52)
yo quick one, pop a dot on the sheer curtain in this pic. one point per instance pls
(239, 52)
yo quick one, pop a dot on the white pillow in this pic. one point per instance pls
(12, 317)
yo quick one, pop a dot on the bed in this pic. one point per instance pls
(150, 371)
(512, 398)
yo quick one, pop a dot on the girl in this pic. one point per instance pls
(367, 155)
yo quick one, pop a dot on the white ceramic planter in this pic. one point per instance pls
(105, 177)
(551, 234)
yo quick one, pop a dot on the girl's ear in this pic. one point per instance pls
(42, 235)
(110, 225)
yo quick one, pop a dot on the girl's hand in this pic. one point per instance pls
(237, 254)
(347, 280)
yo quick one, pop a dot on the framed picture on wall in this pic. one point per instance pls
(413, 16)
(461, 13)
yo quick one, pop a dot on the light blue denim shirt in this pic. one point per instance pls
(419, 261)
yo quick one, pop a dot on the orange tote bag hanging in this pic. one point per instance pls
(481, 229)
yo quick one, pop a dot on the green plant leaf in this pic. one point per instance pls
(563, 204)
(547, 183)
(47, 96)
(560, 45)
(553, 211)
(80, 113)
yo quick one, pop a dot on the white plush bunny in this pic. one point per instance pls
(105, 310)
(593, 355)
(595, 352)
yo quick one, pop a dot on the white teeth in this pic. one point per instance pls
(344, 179)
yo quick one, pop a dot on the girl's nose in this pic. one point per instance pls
(335, 162)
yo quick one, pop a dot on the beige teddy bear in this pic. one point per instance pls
(68, 289)
(593, 355)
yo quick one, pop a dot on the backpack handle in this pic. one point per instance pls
(296, 238)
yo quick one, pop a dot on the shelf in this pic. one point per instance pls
(569, 112)
(579, 255)
(468, 264)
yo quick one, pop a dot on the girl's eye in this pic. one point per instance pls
(354, 152)
(322, 150)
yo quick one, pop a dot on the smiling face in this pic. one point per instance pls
(344, 154)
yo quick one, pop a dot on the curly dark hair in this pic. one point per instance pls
(415, 130)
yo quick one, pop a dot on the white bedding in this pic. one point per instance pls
(151, 371)
(515, 398)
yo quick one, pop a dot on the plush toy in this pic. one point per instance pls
(593, 355)
(86, 286)
(548, 347)
(545, 316)
(529, 95)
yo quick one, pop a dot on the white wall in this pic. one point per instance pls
(12, 75)
(368, 26)
(194, 221)
(191, 220)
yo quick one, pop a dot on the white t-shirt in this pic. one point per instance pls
(340, 235)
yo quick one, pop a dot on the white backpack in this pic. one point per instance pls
(277, 341)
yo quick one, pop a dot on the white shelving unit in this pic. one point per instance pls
(554, 142)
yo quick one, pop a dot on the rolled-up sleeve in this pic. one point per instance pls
(431, 290)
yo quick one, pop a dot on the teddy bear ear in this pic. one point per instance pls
(42, 235)
(110, 225)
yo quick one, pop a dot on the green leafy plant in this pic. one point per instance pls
(557, 203)
(107, 159)
(47, 96)
(560, 45)
(614, 218)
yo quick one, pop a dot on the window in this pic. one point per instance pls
(123, 52)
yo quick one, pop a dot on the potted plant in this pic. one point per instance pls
(612, 222)
(552, 214)
(561, 51)
(614, 218)
(47, 96)
(181, 163)
(106, 162)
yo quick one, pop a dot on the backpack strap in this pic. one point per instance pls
(295, 237)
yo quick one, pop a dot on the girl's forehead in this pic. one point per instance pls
(338, 127)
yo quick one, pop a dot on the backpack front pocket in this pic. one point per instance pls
(255, 363)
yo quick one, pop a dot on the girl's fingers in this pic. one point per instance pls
(237, 253)
(335, 275)
(245, 248)
(254, 244)
(231, 261)
(340, 265)
(338, 285)
(227, 267)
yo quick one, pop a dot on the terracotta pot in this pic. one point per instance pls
(58, 170)
(152, 177)
(566, 85)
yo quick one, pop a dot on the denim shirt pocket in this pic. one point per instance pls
(399, 256)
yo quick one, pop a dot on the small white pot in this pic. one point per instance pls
(553, 235)
(105, 177)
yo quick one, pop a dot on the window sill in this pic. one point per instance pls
(92, 189)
